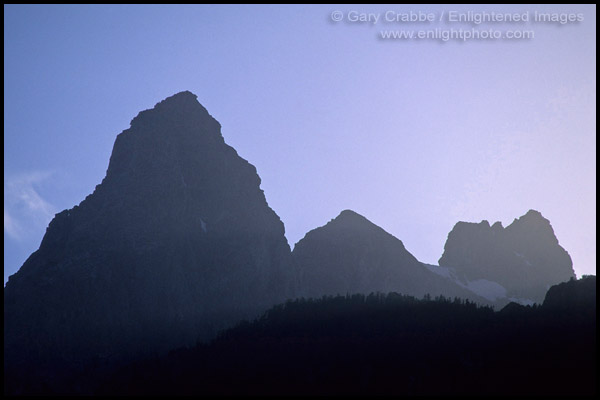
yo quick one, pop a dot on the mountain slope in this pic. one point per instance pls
(350, 254)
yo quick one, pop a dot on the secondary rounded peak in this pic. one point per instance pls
(349, 214)
(349, 222)
(349, 219)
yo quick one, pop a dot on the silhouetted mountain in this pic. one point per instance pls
(350, 255)
(382, 344)
(524, 258)
(176, 243)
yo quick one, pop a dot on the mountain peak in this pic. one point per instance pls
(181, 109)
(179, 99)
(352, 221)
(532, 224)
(185, 94)
(533, 215)
(171, 136)
(525, 257)
(350, 215)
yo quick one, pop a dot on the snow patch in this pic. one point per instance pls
(436, 269)
(487, 289)
(482, 287)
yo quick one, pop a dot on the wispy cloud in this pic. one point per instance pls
(11, 227)
(25, 210)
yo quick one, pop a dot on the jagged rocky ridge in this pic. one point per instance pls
(519, 262)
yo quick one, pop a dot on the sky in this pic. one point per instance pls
(414, 134)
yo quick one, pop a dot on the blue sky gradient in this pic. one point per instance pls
(414, 135)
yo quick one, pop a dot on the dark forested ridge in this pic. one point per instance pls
(369, 345)
(389, 344)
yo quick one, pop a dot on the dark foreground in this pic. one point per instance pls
(377, 344)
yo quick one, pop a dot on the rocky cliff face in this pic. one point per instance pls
(176, 243)
(525, 257)
(352, 255)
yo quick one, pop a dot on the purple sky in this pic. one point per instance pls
(414, 135)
